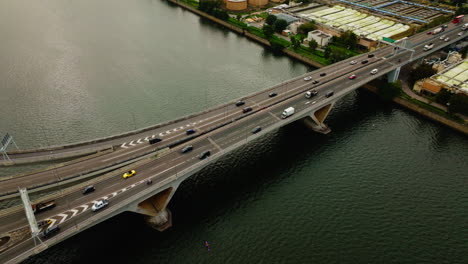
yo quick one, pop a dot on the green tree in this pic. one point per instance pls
(421, 72)
(239, 17)
(327, 52)
(280, 25)
(388, 91)
(295, 42)
(459, 104)
(338, 55)
(313, 44)
(270, 20)
(443, 97)
(306, 27)
(268, 31)
(276, 46)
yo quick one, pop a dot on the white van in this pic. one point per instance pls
(288, 112)
(374, 71)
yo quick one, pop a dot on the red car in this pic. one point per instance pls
(352, 77)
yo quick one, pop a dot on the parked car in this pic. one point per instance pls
(190, 131)
(246, 110)
(256, 130)
(352, 76)
(88, 189)
(364, 61)
(239, 103)
(99, 205)
(308, 78)
(353, 62)
(272, 94)
(187, 148)
(129, 174)
(204, 155)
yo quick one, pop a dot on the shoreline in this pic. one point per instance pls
(398, 100)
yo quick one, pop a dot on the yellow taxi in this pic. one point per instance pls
(129, 174)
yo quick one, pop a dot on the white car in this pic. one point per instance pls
(99, 205)
(353, 62)
(446, 39)
(308, 78)
(460, 33)
(442, 37)
(374, 71)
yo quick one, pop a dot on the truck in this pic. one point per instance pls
(458, 19)
(438, 30)
(428, 46)
(43, 206)
(288, 112)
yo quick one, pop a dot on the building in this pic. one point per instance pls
(320, 37)
(294, 26)
(258, 2)
(454, 78)
(290, 19)
(236, 5)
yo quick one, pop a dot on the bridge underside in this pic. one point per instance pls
(317, 118)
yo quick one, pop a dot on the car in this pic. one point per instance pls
(154, 140)
(99, 205)
(364, 61)
(429, 33)
(308, 78)
(272, 94)
(310, 94)
(447, 39)
(374, 71)
(329, 93)
(246, 110)
(460, 33)
(442, 37)
(256, 130)
(204, 155)
(186, 149)
(370, 55)
(50, 231)
(353, 62)
(129, 174)
(88, 189)
(352, 76)
(315, 82)
(239, 103)
(323, 74)
(190, 131)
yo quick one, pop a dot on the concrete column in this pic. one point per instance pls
(315, 120)
(155, 208)
(393, 75)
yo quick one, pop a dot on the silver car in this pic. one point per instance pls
(99, 205)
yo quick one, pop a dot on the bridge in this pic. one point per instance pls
(219, 130)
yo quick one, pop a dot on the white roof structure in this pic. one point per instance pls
(456, 76)
(361, 24)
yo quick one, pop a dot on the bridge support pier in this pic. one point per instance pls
(155, 208)
(393, 75)
(315, 120)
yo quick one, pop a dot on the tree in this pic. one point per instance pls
(327, 52)
(295, 42)
(459, 104)
(268, 31)
(239, 17)
(276, 46)
(313, 44)
(280, 25)
(388, 91)
(338, 55)
(270, 20)
(421, 72)
(306, 27)
(461, 11)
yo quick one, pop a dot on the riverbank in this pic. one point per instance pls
(399, 100)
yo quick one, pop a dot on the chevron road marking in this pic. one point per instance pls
(123, 145)
(131, 143)
(75, 211)
(139, 141)
(147, 138)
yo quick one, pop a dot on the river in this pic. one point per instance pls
(386, 186)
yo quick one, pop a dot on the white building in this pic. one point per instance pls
(320, 37)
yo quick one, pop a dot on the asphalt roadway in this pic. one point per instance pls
(74, 207)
